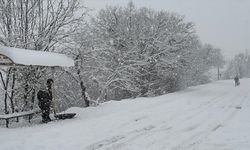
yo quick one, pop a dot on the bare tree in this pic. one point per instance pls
(39, 25)
(213, 58)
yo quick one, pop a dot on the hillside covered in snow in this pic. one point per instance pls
(215, 116)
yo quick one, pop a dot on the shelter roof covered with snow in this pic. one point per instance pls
(17, 56)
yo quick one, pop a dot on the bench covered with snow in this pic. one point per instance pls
(30, 113)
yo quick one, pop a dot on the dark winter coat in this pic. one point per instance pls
(44, 99)
(236, 79)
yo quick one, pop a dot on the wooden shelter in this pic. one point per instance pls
(10, 56)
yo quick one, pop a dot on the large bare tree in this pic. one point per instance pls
(39, 25)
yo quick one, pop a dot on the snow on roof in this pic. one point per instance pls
(19, 56)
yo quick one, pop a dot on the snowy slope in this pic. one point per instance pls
(215, 116)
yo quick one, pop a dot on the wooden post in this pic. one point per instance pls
(53, 92)
(7, 123)
(29, 116)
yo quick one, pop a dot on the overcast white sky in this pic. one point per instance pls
(223, 23)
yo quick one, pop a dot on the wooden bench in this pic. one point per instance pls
(7, 117)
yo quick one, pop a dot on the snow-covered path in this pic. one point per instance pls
(215, 116)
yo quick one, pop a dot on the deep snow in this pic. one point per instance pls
(215, 116)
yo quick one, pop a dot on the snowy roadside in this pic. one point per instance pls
(213, 116)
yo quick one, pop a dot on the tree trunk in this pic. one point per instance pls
(12, 91)
(85, 98)
(83, 89)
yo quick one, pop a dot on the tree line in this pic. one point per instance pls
(122, 52)
(239, 65)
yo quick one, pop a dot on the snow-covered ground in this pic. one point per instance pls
(215, 116)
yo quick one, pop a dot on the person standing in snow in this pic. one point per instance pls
(44, 97)
(236, 80)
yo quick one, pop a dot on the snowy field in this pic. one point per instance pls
(215, 116)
